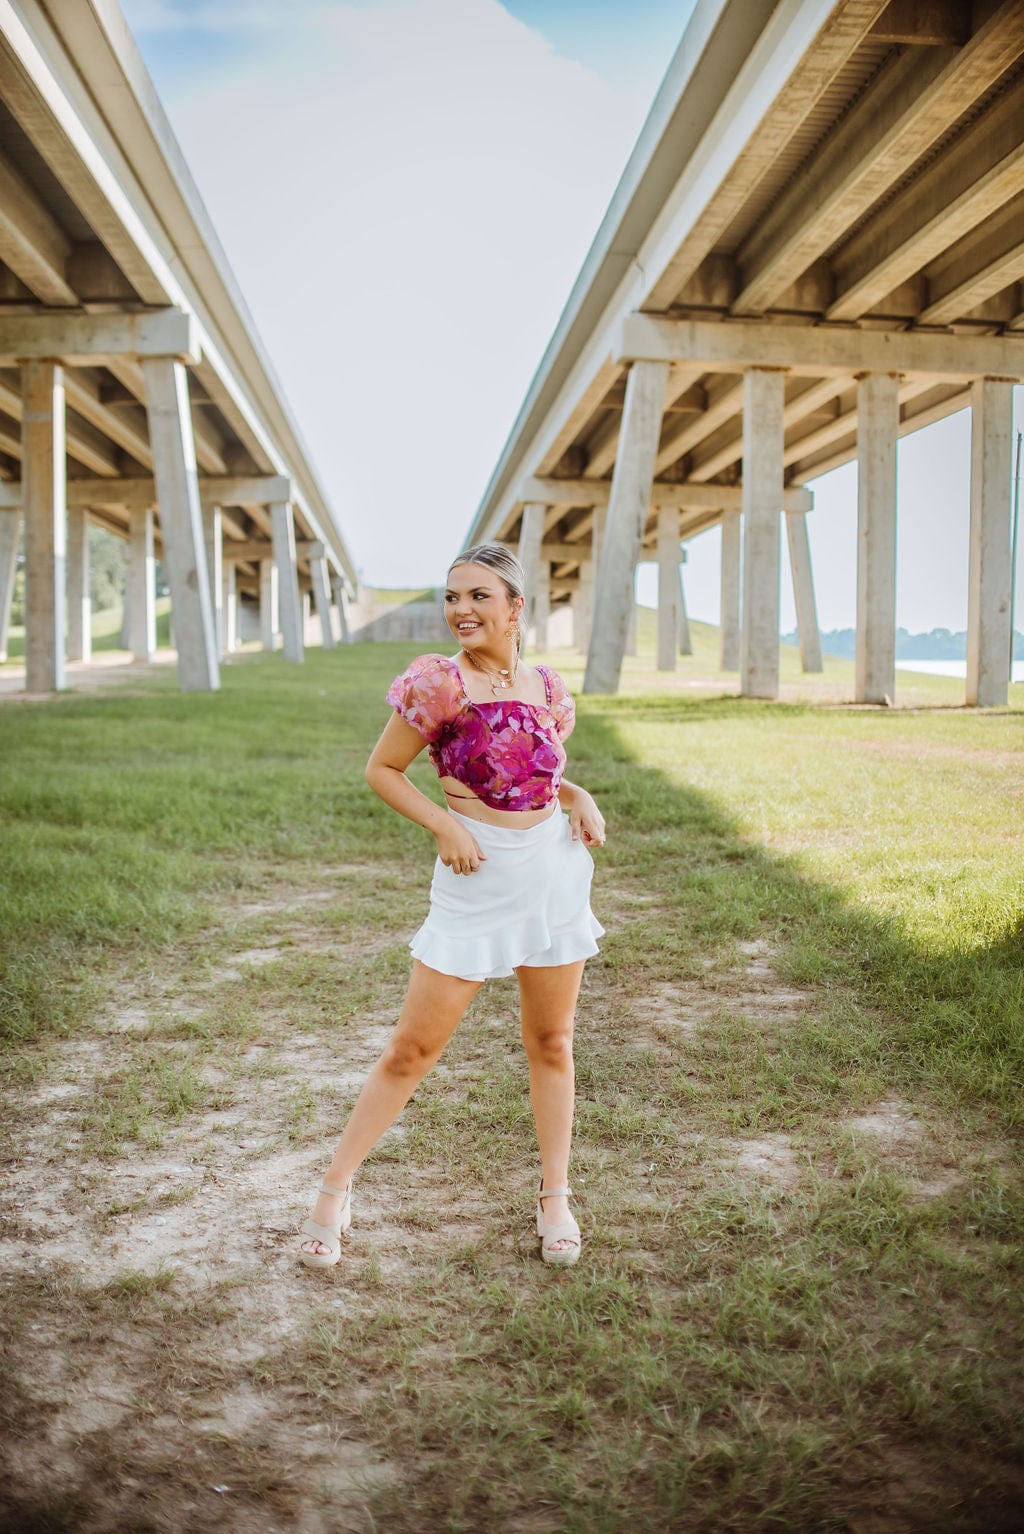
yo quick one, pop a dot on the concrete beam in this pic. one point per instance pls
(209, 446)
(914, 99)
(819, 350)
(710, 460)
(989, 569)
(808, 467)
(214, 490)
(878, 415)
(602, 446)
(83, 443)
(763, 402)
(627, 513)
(43, 467)
(597, 492)
(87, 339)
(798, 51)
(976, 268)
(555, 553)
(253, 550)
(924, 23)
(676, 440)
(32, 242)
(177, 487)
(958, 190)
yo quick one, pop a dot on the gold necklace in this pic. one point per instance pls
(499, 679)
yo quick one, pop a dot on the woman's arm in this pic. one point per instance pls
(398, 747)
(585, 818)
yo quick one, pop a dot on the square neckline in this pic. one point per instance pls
(503, 702)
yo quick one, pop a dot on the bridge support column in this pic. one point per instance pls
(583, 606)
(627, 513)
(322, 598)
(878, 418)
(140, 587)
(282, 528)
(229, 608)
(763, 484)
(10, 531)
(531, 536)
(542, 605)
(268, 604)
(79, 602)
(214, 530)
(668, 587)
(803, 591)
(181, 521)
(685, 642)
(988, 571)
(43, 477)
(338, 587)
(729, 623)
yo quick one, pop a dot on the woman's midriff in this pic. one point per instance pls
(465, 802)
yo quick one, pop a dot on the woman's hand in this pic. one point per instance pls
(457, 849)
(586, 820)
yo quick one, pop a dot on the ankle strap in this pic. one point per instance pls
(554, 1193)
(334, 1193)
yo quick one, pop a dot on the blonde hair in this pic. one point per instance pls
(494, 556)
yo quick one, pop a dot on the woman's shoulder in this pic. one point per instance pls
(428, 694)
(432, 670)
(432, 661)
(555, 682)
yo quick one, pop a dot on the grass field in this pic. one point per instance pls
(798, 1153)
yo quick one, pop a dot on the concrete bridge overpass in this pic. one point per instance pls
(134, 390)
(816, 247)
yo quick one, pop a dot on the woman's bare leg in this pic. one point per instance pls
(548, 1001)
(433, 1008)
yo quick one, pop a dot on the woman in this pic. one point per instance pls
(511, 886)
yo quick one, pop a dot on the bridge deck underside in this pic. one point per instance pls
(876, 184)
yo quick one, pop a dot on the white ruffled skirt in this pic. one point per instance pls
(528, 903)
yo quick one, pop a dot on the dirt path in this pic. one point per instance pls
(156, 1323)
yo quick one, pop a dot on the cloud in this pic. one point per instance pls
(406, 191)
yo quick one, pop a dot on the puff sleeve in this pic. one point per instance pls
(563, 709)
(427, 695)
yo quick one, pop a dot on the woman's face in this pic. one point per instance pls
(478, 608)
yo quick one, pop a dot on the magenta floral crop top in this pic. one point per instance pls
(508, 752)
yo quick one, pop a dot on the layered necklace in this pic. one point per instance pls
(500, 679)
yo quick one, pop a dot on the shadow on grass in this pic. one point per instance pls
(950, 1022)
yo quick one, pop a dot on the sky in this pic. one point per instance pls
(406, 190)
